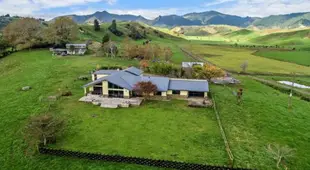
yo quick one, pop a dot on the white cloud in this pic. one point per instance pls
(239, 7)
(147, 13)
(262, 8)
(216, 2)
(31, 7)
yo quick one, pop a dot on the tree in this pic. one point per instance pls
(43, 130)
(62, 31)
(280, 153)
(167, 53)
(135, 34)
(113, 26)
(3, 46)
(144, 64)
(25, 32)
(106, 38)
(208, 72)
(113, 29)
(110, 49)
(145, 89)
(244, 66)
(96, 25)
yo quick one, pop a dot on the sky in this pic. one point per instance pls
(150, 9)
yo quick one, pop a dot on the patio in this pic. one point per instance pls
(114, 103)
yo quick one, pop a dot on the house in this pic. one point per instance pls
(121, 84)
(191, 64)
(71, 49)
(76, 49)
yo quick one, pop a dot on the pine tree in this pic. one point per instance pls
(96, 25)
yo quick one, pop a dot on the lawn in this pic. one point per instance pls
(231, 58)
(161, 130)
(166, 130)
(264, 119)
(45, 74)
(149, 131)
(298, 57)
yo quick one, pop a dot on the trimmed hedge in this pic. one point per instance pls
(133, 160)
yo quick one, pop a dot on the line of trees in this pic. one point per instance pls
(27, 33)
(149, 51)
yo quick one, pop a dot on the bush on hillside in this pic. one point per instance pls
(114, 30)
(135, 34)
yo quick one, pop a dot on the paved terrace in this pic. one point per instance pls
(106, 102)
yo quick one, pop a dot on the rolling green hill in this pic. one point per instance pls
(292, 38)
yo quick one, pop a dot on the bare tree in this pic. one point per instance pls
(43, 129)
(280, 153)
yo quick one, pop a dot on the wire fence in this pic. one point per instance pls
(133, 160)
(227, 147)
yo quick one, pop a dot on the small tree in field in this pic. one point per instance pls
(96, 25)
(42, 130)
(145, 89)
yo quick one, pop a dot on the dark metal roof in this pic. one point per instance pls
(130, 77)
(107, 72)
(134, 71)
(189, 85)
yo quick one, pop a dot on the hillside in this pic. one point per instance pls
(301, 37)
(173, 20)
(204, 30)
(216, 18)
(295, 20)
(87, 32)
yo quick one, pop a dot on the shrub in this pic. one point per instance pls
(66, 93)
(145, 88)
(208, 72)
(105, 38)
(114, 30)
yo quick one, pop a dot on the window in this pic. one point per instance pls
(158, 93)
(113, 86)
(196, 94)
(176, 92)
(95, 75)
(118, 94)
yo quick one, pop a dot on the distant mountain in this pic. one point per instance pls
(216, 18)
(295, 20)
(104, 16)
(173, 20)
